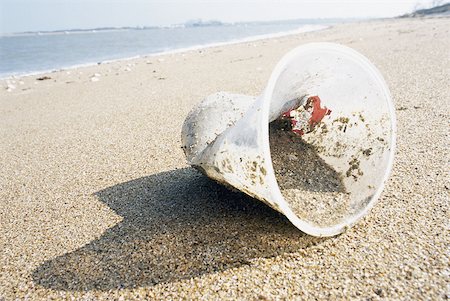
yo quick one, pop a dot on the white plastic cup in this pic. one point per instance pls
(227, 135)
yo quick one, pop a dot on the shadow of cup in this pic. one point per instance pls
(176, 225)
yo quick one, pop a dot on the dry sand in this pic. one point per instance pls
(313, 189)
(97, 201)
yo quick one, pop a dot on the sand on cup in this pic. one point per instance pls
(317, 145)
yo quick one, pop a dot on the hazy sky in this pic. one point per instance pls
(35, 15)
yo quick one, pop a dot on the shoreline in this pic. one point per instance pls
(303, 29)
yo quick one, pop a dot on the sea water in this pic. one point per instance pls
(35, 52)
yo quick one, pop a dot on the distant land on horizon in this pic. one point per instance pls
(187, 24)
(436, 11)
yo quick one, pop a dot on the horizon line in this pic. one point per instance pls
(186, 24)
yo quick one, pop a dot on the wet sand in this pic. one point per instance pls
(97, 201)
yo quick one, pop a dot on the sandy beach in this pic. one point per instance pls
(97, 201)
